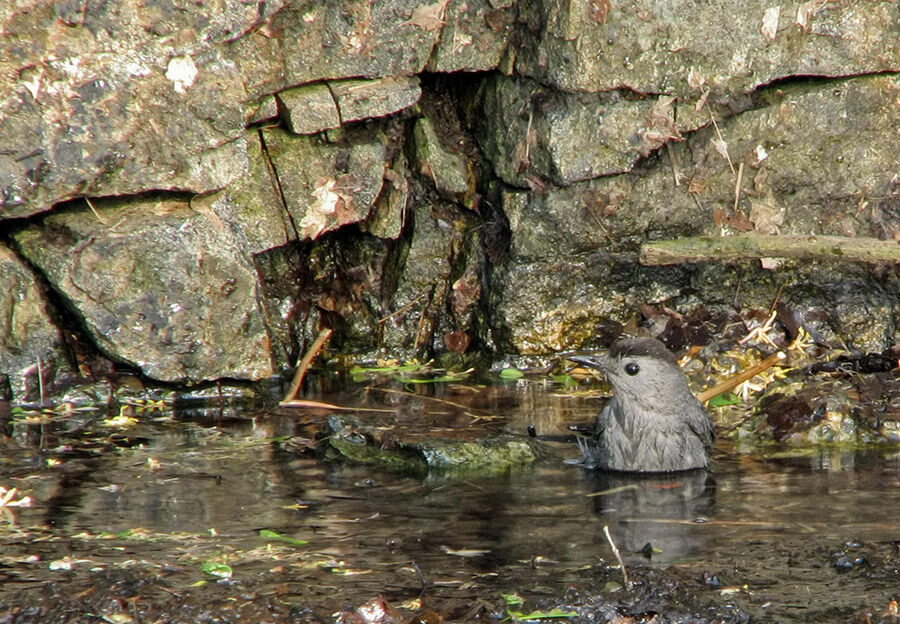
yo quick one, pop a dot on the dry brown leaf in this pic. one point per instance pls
(457, 341)
(766, 214)
(465, 294)
(734, 219)
(430, 17)
(660, 125)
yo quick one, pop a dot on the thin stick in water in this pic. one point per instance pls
(300, 373)
(40, 369)
(615, 550)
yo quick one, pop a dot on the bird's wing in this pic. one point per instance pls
(702, 425)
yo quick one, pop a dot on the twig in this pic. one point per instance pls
(40, 369)
(722, 141)
(618, 556)
(94, 210)
(751, 245)
(431, 399)
(737, 185)
(331, 406)
(401, 309)
(615, 490)
(300, 373)
(728, 384)
(675, 173)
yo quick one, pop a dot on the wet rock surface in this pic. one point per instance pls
(150, 294)
(450, 179)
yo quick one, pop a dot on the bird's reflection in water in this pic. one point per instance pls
(654, 515)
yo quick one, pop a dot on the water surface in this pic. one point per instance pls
(195, 485)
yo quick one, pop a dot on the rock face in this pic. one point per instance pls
(30, 342)
(190, 191)
(158, 285)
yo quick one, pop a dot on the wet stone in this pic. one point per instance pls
(449, 171)
(309, 109)
(327, 184)
(32, 354)
(169, 291)
(363, 99)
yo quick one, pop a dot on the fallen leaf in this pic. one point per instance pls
(735, 219)
(695, 79)
(766, 214)
(465, 294)
(660, 127)
(457, 341)
(429, 17)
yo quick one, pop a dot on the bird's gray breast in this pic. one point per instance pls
(637, 440)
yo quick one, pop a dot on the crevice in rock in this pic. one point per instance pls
(813, 81)
(276, 183)
(81, 352)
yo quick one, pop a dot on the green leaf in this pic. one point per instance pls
(555, 613)
(722, 400)
(221, 570)
(274, 536)
(511, 373)
(566, 380)
(513, 599)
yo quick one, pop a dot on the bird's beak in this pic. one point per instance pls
(591, 361)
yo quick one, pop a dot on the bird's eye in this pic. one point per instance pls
(632, 368)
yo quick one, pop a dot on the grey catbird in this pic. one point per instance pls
(652, 423)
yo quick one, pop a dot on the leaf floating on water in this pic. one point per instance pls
(554, 613)
(8, 498)
(220, 570)
(566, 380)
(511, 373)
(274, 536)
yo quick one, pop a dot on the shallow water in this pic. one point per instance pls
(201, 483)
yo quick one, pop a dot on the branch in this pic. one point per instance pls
(755, 245)
(324, 335)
